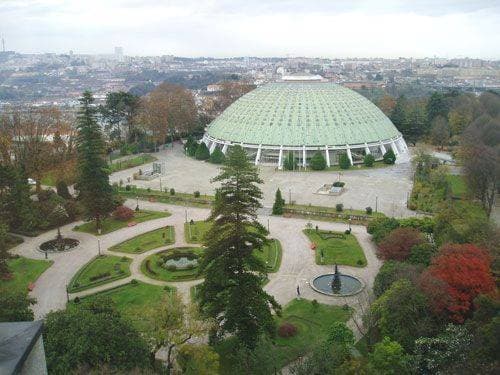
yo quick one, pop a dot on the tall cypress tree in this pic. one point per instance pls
(232, 291)
(95, 192)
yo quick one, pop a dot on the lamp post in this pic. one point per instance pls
(99, 247)
(268, 225)
(137, 203)
(289, 196)
(160, 185)
(376, 203)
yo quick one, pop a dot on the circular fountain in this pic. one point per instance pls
(337, 284)
(58, 245)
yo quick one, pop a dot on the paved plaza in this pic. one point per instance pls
(387, 187)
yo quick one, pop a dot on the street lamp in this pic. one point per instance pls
(99, 247)
(268, 226)
(137, 203)
(290, 196)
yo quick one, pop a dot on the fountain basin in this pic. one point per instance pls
(349, 285)
(57, 246)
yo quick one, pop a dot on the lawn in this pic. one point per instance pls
(111, 224)
(100, 270)
(146, 241)
(193, 233)
(13, 241)
(270, 254)
(165, 197)
(136, 302)
(343, 251)
(312, 328)
(151, 268)
(131, 163)
(25, 271)
(458, 185)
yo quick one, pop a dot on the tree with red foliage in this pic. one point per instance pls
(465, 270)
(398, 243)
(123, 213)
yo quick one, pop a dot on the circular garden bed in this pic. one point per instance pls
(178, 264)
(59, 245)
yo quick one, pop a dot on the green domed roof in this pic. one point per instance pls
(302, 113)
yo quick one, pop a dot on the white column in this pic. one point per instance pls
(349, 155)
(304, 162)
(257, 157)
(206, 141)
(224, 148)
(327, 156)
(402, 145)
(394, 148)
(280, 158)
(212, 148)
(382, 148)
(367, 149)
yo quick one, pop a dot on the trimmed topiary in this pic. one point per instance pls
(287, 330)
(290, 163)
(279, 202)
(369, 160)
(123, 213)
(217, 157)
(202, 152)
(344, 161)
(318, 162)
(339, 207)
(369, 210)
(389, 157)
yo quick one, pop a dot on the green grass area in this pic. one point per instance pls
(312, 329)
(343, 251)
(458, 185)
(24, 271)
(136, 302)
(270, 254)
(100, 270)
(131, 163)
(152, 268)
(13, 241)
(178, 198)
(146, 241)
(194, 233)
(49, 179)
(111, 224)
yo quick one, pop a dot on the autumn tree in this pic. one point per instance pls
(95, 192)
(386, 104)
(440, 131)
(465, 269)
(397, 244)
(229, 92)
(232, 292)
(169, 110)
(118, 113)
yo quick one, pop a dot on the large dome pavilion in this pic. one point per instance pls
(304, 117)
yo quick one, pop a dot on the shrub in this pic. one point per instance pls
(99, 276)
(392, 271)
(202, 152)
(338, 184)
(287, 330)
(369, 210)
(344, 161)
(339, 207)
(279, 202)
(315, 305)
(381, 227)
(76, 300)
(217, 157)
(128, 187)
(196, 194)
(134, 282)
(347, 231)
(172, 191)
(359, 262)
(398, 243)
(422, 254)
(123, 213)
(389, 157)
(369, 160)
(62, 190)
(290, 163)
(318, 162)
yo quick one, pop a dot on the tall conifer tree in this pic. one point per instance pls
(95, 192)
(232, 291)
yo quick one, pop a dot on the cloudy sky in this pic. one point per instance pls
(222, 28)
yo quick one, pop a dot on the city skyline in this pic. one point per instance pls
(388, 29)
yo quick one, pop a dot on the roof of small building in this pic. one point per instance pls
(302, 113)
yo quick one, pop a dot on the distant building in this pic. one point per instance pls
(214, 88)
(21, 349)
(119, 53)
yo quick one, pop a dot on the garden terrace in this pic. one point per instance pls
(111, 224)
(133, 192)
(101, 270)
(157, 265)
(336, 248)
(136, 301)
(146, 241)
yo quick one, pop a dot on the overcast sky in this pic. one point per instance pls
(222, 28)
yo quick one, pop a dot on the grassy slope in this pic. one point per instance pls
(312, 327)
(458, 185)
(146, 241)
(97, 266)
(131, 163)
(25, 271)
(336, 250)
(111, 224)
